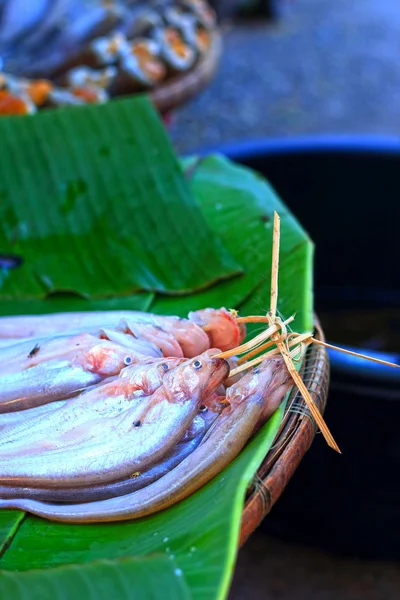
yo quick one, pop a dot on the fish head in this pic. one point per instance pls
(213, 406)
(124, 336)
(221, 327)
(148, 374)
(278, 382)
(104, 358)
(267, 382)
(165, 365)
(191, 338)
(155, 335)
(198, 377)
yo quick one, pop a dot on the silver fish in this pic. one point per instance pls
(108, 399)
(221, 445)
(209, 412)
(41, 379)
(190, 336)
(137, 438)
(21, 416)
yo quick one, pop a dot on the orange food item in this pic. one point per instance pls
(12, 105)
(148, 62)
(86, 94)
(39, 90)
(176, 42)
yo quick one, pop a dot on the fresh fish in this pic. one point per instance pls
(203, 329)
(22, 416)
(221, 445)
(10, 341)
(221, 326)
(135, 439)
(41, 381)
(135, 482)
(209, 412)
(29, 353)
(192, 339)
(42, 384)
(154, 334)
(108, 399)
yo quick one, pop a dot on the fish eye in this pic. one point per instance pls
(197, 364)
(127, 360)
(165, 366)
(203, 408)
(256, 371)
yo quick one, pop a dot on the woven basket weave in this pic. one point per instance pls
(294, 438)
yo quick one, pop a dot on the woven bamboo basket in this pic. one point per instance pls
(292, 441)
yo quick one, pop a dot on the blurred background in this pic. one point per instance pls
(319, 67)
(291, 70)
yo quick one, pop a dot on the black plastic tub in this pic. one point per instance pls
(346, 193)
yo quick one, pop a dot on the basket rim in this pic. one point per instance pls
(292, 441)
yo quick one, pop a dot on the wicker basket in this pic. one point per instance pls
(294, 438)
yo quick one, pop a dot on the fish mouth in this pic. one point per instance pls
(221, 370)
(219, 363)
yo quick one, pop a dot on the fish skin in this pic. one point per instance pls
(154, 334)
(12, 419)
(29, 326)
(110, 490)
(222, 329)
(107, 399)
(189, 442)
(163, 419)
(221, 326)
(29, 353)
(221, 445)
(40, 371)
(43, 384)
(5, 342)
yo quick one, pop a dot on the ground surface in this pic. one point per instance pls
(328, 67)
(271, 570)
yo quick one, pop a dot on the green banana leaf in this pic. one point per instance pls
(90, 199)
(190, 549)
(239, 207)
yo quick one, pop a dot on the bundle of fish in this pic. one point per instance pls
(112, 416)
(56, 53)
